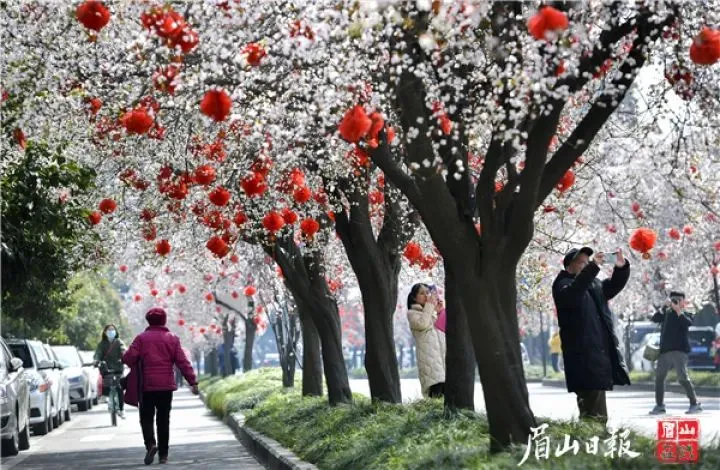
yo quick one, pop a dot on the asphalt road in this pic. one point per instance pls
(626, 409)
(197, 440)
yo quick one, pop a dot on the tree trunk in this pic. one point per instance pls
(460, 359)
(312, 376)
(250, 329)
(380, 356)
(228, 342)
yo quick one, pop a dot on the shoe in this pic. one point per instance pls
(658, 410)
(150, 455)
(163, 460)
(696, 408)
(121, 414)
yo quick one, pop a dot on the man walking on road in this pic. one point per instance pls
(591, 354)
(674, 349)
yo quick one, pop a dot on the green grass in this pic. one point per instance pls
(698, 378)
(418, 435)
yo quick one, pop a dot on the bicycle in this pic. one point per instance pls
(113, 395)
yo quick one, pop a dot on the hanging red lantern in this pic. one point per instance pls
(137, 121)
(216, 104)
(219, 196)
(218, 246)
(674, 234)
(355, 124)
(302, 195)
(94, 217)
(181, 288)
(289, 216)
(123, 268)
(309, 227)
(107, 206)
(93, 15)
(254, 52)
(250, 291)
(162, 247)
(705, 49)
(643, 240)
(253, 185)
(181, 322)
(137, 298)
(273, 221)
(413, 252)
(567, 180)
(548, 19)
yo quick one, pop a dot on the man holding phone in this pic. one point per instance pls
(591, 349)
(674, 349)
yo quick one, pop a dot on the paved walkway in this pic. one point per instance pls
(197, 440)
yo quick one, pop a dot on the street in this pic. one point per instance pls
(197, 440)
(626, 409)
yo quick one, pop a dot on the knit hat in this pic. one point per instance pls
(156, 316)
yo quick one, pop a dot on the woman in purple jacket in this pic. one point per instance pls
(160, 351)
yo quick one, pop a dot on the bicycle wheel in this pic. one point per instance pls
(113, 405)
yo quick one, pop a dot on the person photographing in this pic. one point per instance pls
(590, 347)
(674, 349)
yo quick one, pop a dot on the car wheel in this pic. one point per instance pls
(67, 413)
(11, 446)
(24, 441)
(60, 418)
(42, 428)
(95, 401)
(55, 419)
(50, 423)
(82, 406)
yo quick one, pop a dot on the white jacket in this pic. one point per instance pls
(430, 343)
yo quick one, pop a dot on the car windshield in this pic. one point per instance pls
(21, 351)
(68, 356)
(87, 356)
(701, 338)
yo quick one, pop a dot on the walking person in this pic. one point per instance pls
(108, 354)
(591, 354)
(423, 309)
(159, 350)
(555, 350)
(674, 349)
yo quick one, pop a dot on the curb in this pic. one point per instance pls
(648, 387)
(267, 451)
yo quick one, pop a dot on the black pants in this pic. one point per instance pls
(592, 405)
(162, 403)
(437, 390)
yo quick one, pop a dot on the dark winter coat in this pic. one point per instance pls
(111, 352)
(674, 335)
(591, 349)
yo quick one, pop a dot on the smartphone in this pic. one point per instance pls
(611, 258)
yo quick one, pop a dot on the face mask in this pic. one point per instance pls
(111, 334)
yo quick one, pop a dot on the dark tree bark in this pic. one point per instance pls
(305, 278)
(460, 361)
(229, 327)
(250, 329)
(312, 376)
(486, 278)
(228, 342)
(376, 263)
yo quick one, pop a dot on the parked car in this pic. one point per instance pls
(701, 340)
(271, 360)
(14, 403)
(77, 377)
(638, 331)
(525, 355)
(88, 358)
(60, 381)
(638, 361)
(30, 351)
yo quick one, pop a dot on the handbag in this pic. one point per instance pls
(441, 322)
(133, 385)
(651, 352)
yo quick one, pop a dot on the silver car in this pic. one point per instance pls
(60, 387)
(88, 358)
(77, 377)
(14, 403)
(40, 394)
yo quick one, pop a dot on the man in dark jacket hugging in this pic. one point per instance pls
(591, 352)
(674, 349)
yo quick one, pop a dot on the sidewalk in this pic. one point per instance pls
(197, 440)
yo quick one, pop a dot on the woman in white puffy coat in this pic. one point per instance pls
(423, 308)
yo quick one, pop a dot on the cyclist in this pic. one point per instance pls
(108, 355)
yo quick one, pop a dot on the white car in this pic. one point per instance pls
(88, 358)
(77, 377)
(60, 387)
(639, 362)
(41, 419)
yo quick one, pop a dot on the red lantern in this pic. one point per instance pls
(137, 298)
(123, 268)
(219, 196)
(216, 104)
(95, 105)
(107, 206)
(154, 292)
(567, 180)
(94, 217)
(202, 330)
(137, 121)
(218, 246)
(204, 175)
(309, 227)
(716, 245)
(250, 291)
(688, 230)
(240, 218)
(355, 124)
(289, 216)
(643, 240)
(181, 322)
(149, 232)
(254, 52)
(209, 297)
(253, 185)
(273, 221)
(674, 234)
(162, 247)
(547, 19)
(413, 252)
(93, 15)
(234, 259)
(705, 49)
(302, 195)
(234, 295)
(182, 289)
